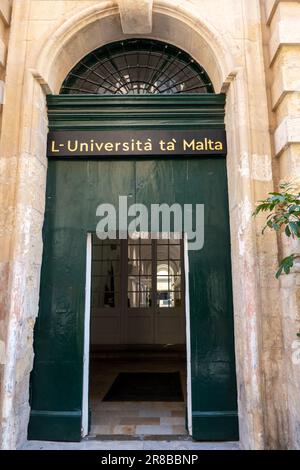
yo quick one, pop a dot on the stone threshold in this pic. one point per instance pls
(125, 444)
(139, 437)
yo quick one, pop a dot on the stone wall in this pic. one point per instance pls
(5, 12)
(282, 39)
(5, 16)
(248, 49)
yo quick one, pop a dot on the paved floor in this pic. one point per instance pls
(127, 418)
(131, 445)
(134, 418)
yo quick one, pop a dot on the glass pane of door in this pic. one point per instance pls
(139, 273)
(169, 283)
(106, 273)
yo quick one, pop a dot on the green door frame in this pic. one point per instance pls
(58, 416)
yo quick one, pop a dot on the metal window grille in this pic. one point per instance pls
(137, 67)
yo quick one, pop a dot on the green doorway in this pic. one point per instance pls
(75, 188)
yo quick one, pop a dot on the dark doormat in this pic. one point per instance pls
(146, 386)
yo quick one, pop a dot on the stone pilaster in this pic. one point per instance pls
(283, 65)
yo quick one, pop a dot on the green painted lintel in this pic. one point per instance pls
(137, 100)
(152, 111)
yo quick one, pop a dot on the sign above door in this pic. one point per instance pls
(133, 143)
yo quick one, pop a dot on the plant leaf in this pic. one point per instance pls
(287, 231)
(285, 265)
(295, 226)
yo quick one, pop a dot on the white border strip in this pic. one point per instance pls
(86, 352)
(188, 336)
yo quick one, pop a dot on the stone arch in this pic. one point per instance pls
(95, 26)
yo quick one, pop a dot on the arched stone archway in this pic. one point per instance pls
(93, 27)
(64, 44)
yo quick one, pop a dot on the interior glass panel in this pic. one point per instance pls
(137, 67)
(139, 256)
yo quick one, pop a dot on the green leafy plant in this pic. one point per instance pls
(284, 208)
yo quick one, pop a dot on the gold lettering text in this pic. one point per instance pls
(53, 149)
(108, 147)
(75, 146)
(84, 147)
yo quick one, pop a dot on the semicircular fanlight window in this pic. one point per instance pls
(137, 67)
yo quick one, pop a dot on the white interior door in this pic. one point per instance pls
(139, 308)
(107, 303)
(169, 295)
(137, 292)
(155, 308)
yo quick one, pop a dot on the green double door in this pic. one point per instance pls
(74, 191)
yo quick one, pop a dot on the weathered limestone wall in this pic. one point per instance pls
(23, 169)
(231, 40)
(5, 16)
(5, 12)
(283, 67)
